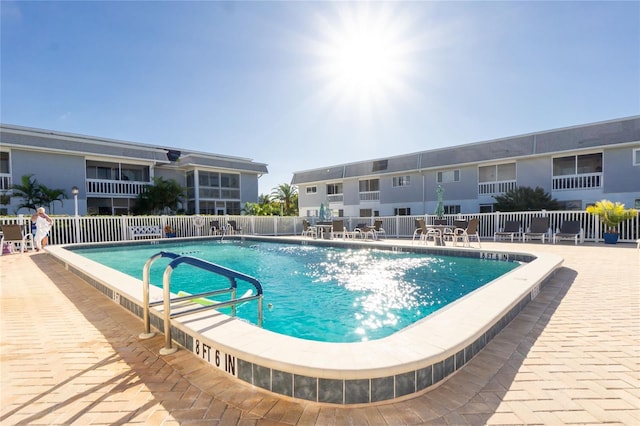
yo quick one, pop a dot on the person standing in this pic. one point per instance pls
(43, 225)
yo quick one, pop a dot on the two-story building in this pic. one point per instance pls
(576, 165)
(109, 174)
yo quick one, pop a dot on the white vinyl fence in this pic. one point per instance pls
(89, 229)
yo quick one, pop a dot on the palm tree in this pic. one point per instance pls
(29, 190)
(287, 195)
(163, 194)
(49, 196)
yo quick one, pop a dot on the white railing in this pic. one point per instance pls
(498, 187)
(91, 229)
(5, 181)
(581, 181)
(115, 187)
(370, 196)
(335, 198)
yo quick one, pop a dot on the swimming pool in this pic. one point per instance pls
(321, 293)
(411, 361)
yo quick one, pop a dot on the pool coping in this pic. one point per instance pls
(413, 360)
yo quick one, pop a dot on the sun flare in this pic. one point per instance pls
(365, 55)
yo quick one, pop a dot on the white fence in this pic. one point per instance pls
(88, 229)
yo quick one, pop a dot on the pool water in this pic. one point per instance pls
(319, 293)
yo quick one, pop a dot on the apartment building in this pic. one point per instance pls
(577, 165)
(109, 174)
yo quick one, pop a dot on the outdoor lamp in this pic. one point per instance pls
(75, 192)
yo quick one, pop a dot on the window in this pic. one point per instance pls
(636, 157)
(379, 165)
(401, 181)
(369, 185)
(570, 205)
(451, 209)
(402, 211)
(334, 188)
(577, 164)
(499, 172)
(4, 162)
(449, 176)
(366, 212)
(312, 189)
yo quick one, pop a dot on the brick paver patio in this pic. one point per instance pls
(69, 355)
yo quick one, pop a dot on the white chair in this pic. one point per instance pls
(470, 231)
(308, 230)
(14, 235)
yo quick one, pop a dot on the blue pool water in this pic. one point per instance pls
(319, 293)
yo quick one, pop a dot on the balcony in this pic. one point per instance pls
(370, 196)
(496, 188)
(335, 198)
(581, 181)
(107, 187)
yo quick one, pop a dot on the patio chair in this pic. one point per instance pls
(440, 222)
(338, 229)
(569, 230)
(433, 234)
(362, 230)
(16, 237)
(378, 229)
(308, 230)
(539, 229)
(457, 229)
(232, 228)
(420, 229)
(470, 231)
(511, 229)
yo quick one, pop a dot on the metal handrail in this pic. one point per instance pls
(166, 299)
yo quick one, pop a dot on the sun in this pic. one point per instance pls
(364, 54)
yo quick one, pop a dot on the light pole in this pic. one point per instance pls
(75, 192)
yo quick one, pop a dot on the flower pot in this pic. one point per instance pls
(610, 238)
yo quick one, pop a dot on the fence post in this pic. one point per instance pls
(76, 224)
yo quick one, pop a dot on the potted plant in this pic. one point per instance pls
(611, 215)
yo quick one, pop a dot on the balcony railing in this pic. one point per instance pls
(498, 187)
(5, 181)
(370, 196)
(581, 181)
(335, 198)
(115, 187)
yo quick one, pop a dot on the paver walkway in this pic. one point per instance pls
(69, 355)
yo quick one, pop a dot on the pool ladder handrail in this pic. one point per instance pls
(167, 300)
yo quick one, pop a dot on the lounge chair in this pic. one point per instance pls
(232, 228)
(539, 229)
(569, 230)
(308, 230)
(470, 231)
(338, 229)
(511, 230)
(214, 227)
(14, 235)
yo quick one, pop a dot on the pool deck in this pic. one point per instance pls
(69, 355)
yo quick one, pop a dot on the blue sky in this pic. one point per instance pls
(303, 85)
